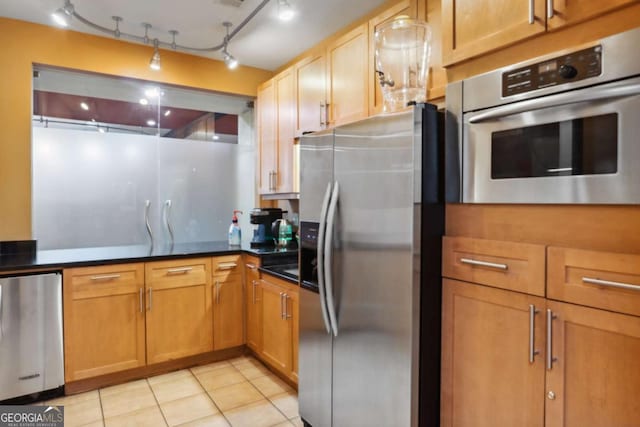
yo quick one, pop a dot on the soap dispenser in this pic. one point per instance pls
(235, 234)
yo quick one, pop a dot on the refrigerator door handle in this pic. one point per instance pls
(321, 237)
(328, 246)
(1, 313)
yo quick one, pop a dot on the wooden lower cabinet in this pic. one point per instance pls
(279, 311)
(594, 379)
(487, 378)
(253, 304)
(179, 305)
(228, 312)
(104, 329)
(591, 380)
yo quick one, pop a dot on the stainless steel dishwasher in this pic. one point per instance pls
(31, 351)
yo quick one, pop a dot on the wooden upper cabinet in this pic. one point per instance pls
(566, 12)
(267, 135)
(179, 319)
(473, 27)
(488, 379)
(347, 76)
(103, 320)
(311, 97)
(405, 7)
(594, 379)
(286, 110)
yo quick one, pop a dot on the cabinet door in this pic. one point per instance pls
(404, 8)
(311, 94)
(347, 77)
(228, 314)
(267, 133)
(253, 304)
(276, 329)
(285, 87)
(294, 318)
(594, 379)
(487, 377)
(473, 27)
(179, 311)
(103, 320)
(566, 12)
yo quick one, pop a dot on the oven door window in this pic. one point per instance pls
(583, 146)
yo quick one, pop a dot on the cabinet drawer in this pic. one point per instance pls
(223, 266)
(598, 279)
(507, 265)
(92, 282)
(180, 273)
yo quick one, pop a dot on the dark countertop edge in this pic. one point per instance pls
(33, 264)
(283, 276)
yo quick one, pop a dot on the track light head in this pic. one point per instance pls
(230, 61)
(285, 11)
(154, 64)
(63, 15)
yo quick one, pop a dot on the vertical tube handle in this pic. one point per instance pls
(147, 206)
(550, 358)
(141, 298)
(532, 338)
(328, 261)
(550, 9)
(322, 123)
(286, 307)
(281, 306)
(150, 298)
(532, 13)
(320, 250)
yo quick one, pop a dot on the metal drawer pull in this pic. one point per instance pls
(620, 285)
(105, 277)
(182, 270)
(227, 265)
(532, 326)
(141, 298)
(251, 266)
(550, 358)
(484, 263)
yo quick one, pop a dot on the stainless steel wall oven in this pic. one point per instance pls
(563, 128)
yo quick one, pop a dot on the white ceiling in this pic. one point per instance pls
(265, 42)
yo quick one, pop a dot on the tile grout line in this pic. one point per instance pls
(211, 398)
(157, 401)
(104, 421)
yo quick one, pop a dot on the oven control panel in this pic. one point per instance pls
(571, 67)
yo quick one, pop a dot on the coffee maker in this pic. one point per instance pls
(262, 218)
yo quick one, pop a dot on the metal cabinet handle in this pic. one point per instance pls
(147, 206)
(550, 358)
(532, 15)
(322, 107)
(621, 285)
(326, 113)
(251, 266)
(181, 270)
(484, 263)
(141, 302)
(286, 306)
(227, 265)
(549, 9)
(217, 292)
(532, 338)
(253, 287)
(105, 277)
(167, 219)
(150, 298)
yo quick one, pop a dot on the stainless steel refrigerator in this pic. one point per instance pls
(372, 217)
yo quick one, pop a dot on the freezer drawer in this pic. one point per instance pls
(30, 334)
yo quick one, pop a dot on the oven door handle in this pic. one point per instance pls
(585, 95)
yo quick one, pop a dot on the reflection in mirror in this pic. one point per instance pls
(103, 148)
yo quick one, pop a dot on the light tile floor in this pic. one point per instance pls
(239, 392)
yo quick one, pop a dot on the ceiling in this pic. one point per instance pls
(265, 42)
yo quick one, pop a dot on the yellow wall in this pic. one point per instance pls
(25, 44)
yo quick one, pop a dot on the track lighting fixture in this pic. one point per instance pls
(63, 15)
(154, 64)
(285, 11)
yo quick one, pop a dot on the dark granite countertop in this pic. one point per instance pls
(64, 258)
